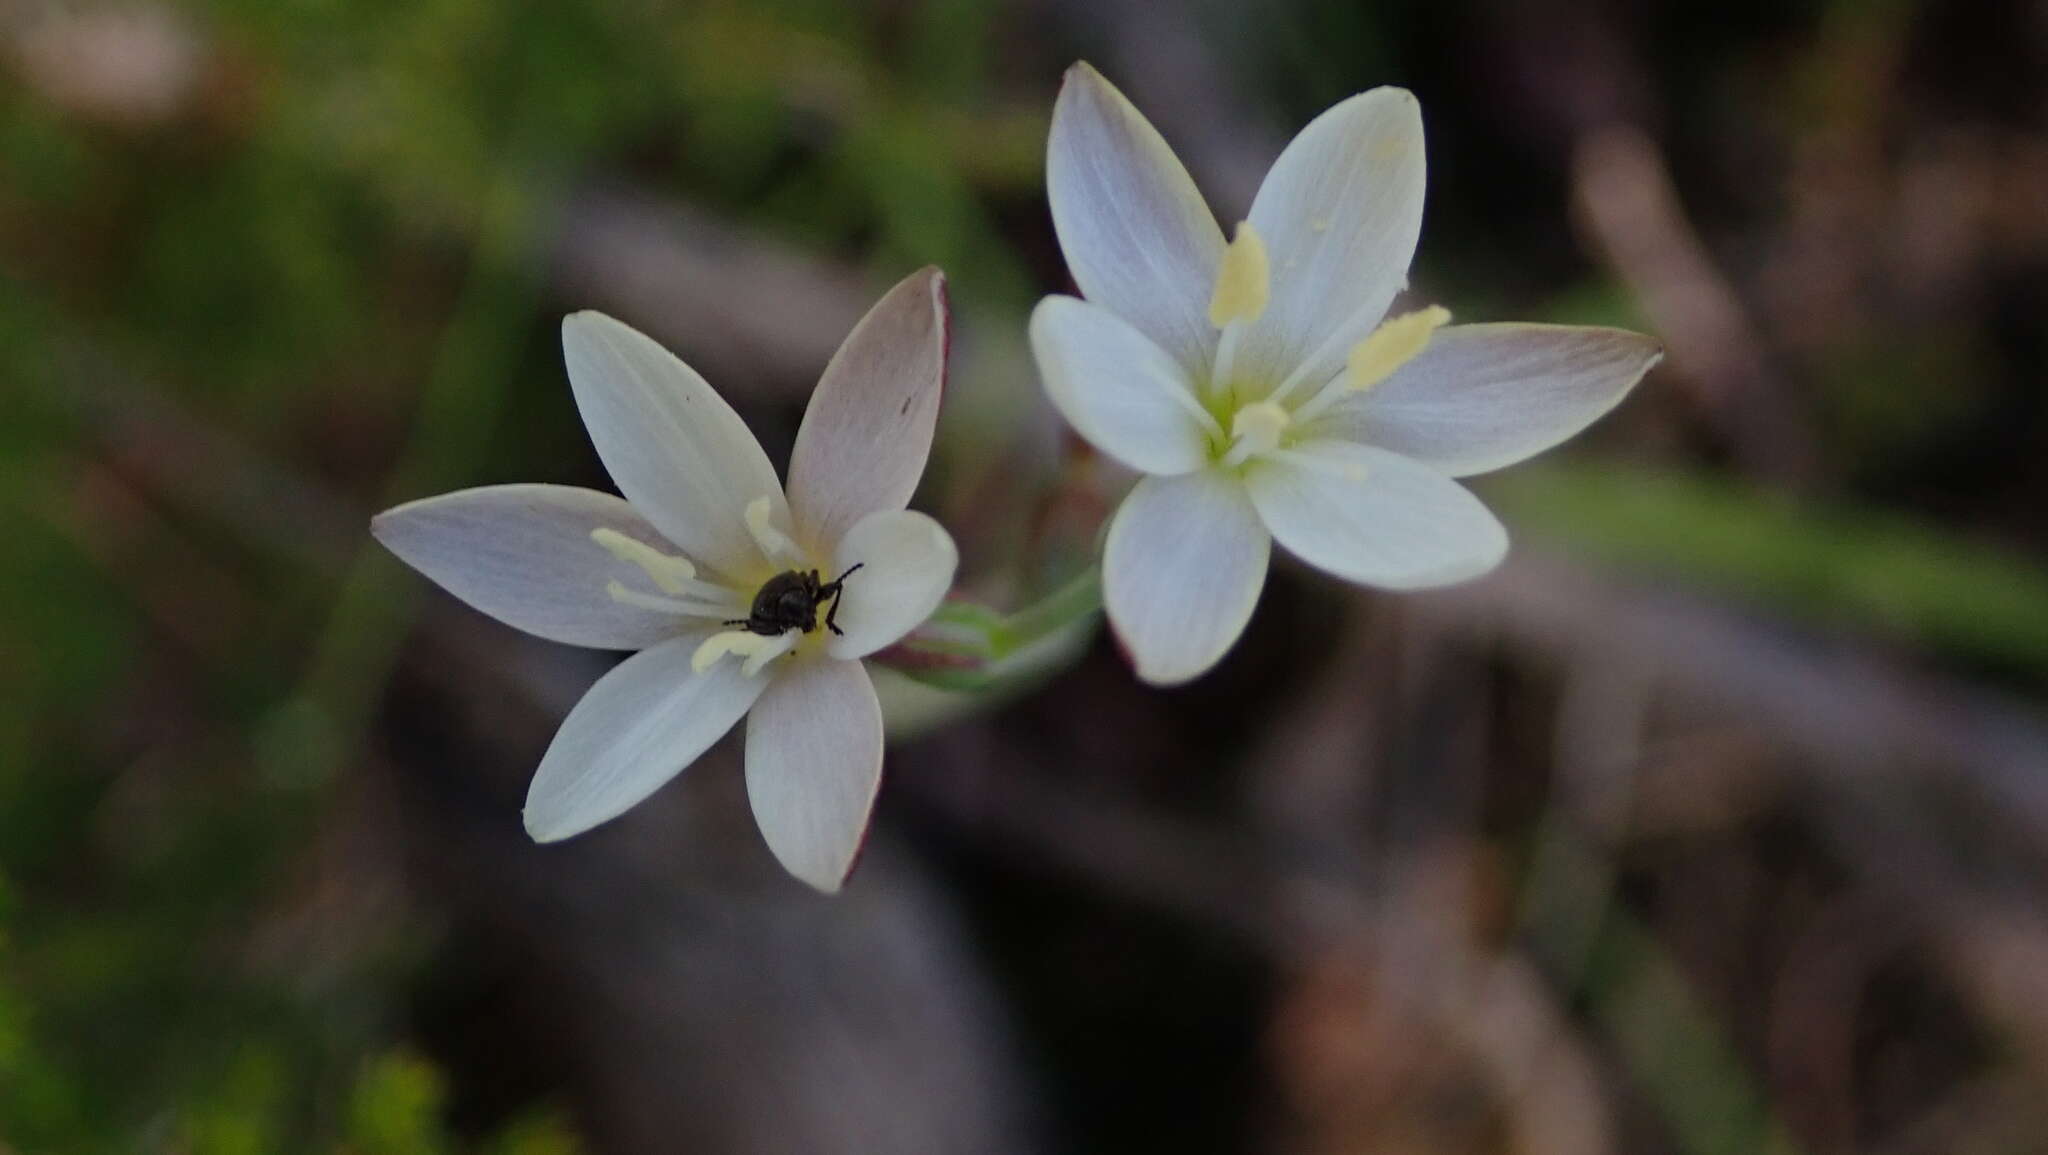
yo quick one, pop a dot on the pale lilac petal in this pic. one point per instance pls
(677, 451)
(1481, 397)
(638, 727)
(1374, 517)
(1182, 571)
(1137, 236)
(523, 554)
(864, 440)
(814, 763)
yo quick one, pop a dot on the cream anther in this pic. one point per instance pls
(1243, 279)
(667, 572)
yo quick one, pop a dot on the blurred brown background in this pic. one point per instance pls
(1715, 822)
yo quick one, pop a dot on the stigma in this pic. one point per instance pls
(1257, 428)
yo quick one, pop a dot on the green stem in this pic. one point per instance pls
(970, 648)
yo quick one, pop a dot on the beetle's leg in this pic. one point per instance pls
(832, 589)
(739, 621)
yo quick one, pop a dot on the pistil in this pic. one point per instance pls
(1256, 429)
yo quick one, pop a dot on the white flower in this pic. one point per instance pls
(668, 571)
(1260, 384)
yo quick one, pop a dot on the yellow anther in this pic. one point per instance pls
(668, 572)
(1395, 343)
(775, 544)
(1243, 280)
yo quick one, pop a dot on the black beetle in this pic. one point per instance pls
(790, 601)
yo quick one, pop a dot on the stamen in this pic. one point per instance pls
(721, 610)
(775, 544)
(1392, 345)
(666, 571)
(1244, 285)
(1395, 343)
(1243, 279)
(775, 648)
(1256, 429)
(757, 649)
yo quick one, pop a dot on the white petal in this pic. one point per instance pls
(1375, 517)
(868, 430)
(814, 762)
(638, 727)
(1138, 238)
(523, 554)
(906, 566)
(677, 451)
(1480, 397)
(1182, 571)
(1340, 213)
(1118, 390)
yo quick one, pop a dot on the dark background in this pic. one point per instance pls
(1714, 822)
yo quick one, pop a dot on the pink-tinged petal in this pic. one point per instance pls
(814, 763)
(865, 438)
(1481, 397)
(1138, 238)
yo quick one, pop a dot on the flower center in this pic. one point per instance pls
(1261, 425)
(1257, 428)
(765, 637)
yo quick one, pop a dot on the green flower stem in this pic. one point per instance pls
(968, 647)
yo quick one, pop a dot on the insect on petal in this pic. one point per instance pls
(906, 566)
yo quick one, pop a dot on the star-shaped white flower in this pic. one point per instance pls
(1260, 385)
(677, 569)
